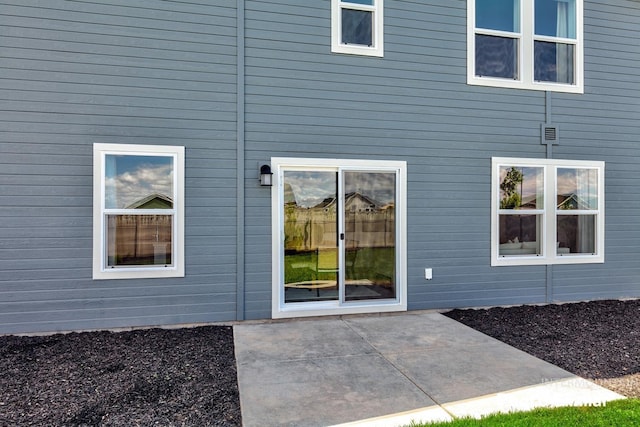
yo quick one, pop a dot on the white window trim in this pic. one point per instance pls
(100, 151)
(548, 255)
(378, 29)
(525, 54)
(281, 310)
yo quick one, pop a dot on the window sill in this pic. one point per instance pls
(522, 260)
(518, 84)
(138, 273)
(358, 50)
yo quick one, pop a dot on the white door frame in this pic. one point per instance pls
(318, 308)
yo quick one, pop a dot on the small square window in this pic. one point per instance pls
(138, 211)
(356, 27)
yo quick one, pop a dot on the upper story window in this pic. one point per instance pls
(526, 44)
(356, 27)
(547, 212)
(138, 211)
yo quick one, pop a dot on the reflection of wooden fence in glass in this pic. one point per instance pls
(139, 239)
(309, 229)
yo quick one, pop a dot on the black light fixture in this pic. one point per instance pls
(266, 176)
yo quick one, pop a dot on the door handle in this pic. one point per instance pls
(341, 236)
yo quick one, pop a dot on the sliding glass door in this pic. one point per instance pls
(311, 247)
(369, 235)
(338, 237)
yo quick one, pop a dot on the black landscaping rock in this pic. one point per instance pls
(177, 377)
(595, 340)
(187, 377)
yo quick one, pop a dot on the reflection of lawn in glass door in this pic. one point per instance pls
(305, 278)
(370, 274)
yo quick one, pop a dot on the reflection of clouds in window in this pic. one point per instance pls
(311, 188)
(380, 187)
(532, 182)
(129, 179)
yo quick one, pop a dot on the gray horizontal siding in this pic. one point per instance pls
(414, 105)
(164, 72)
(138, 72)
(604, 124)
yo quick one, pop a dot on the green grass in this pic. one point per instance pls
(625, 412)
(376, 264)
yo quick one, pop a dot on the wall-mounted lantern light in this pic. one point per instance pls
(266, 176)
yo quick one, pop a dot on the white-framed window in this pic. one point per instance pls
(338, 236)
(138, 211)
(526, 44)
(546, 211)
(357, 27)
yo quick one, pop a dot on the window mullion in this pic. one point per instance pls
(526, 59)
(555, 40)
(497, 33)
(140, 211)
(521, 212)
(576, 212)
(551, 189)
(354, 6)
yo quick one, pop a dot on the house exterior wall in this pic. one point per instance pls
(164, 72)
(604, 124)
(114, 71)
(414, 105)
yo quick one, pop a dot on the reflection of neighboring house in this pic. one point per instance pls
(571, 201)
(563, 202)
(354, 202)
(152, 201)
(143, 238)
(529, 203)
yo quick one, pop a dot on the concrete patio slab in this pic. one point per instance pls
(413, 331)
(324, 391)
(293, 340)
(456, 372)
(387, 370)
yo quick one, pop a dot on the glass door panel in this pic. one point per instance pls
(369, 235)
(311, 250)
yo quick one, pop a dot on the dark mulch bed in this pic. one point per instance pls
(595, 340)
(187, 377)
(180, 377)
